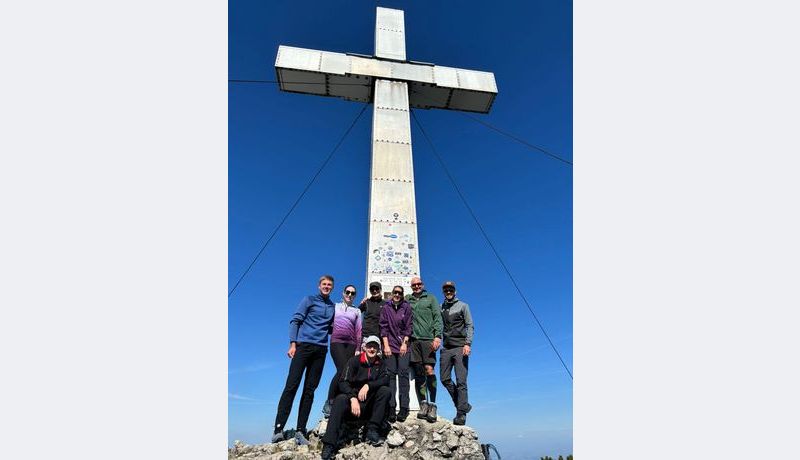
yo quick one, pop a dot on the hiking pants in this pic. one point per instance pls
(449, 358)
(374, 408)
(341, 353)
(397, 366)
(308, 358)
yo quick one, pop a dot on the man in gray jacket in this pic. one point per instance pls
(458, 330)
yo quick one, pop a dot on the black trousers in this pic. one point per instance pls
(397, 366)
(374, 409)
(308, 358)
(449, 358)
(341, 353)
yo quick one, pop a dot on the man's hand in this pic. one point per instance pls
(403, 349)
(387, 351)
(362, 393)
(358, 352)
(435, 344)
(467, 350)
(355, 407)
(292, 350)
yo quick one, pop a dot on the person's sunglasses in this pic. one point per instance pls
(374, 289)
(350, 292)
(449, 290)
(416, 284)
(397, 293)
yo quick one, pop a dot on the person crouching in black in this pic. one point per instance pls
(363, 393)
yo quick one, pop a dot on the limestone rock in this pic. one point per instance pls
(410, 440)
(395, 439)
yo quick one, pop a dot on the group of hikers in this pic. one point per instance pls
(373, 346)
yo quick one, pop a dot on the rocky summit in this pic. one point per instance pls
(410, 440)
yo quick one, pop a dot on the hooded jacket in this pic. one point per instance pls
(457, 322)
(396, 323)
(358, 371)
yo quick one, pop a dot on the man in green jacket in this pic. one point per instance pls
(425, 340)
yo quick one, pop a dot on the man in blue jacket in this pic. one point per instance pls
(309, 329)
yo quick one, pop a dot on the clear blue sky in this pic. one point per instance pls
(521, 393)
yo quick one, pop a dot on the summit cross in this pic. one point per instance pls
(393, 84)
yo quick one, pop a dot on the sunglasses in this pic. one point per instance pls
(449, 290)
(374, 289)
(397, 293)
(416, 284)
(350, 292)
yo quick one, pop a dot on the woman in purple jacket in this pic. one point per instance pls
(345, 339)
(396, 322)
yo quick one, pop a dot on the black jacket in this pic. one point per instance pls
(358, 371)
(372, 313)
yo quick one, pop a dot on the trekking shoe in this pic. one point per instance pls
(460, 419)
(373, 438)
(423, 410)
(431, 415)
(402, 415)
(326, 409)
(328, 451)
(300, 437)
(277, 437)
(392, 415)
(469, 408)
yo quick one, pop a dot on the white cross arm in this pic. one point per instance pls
(351, 77)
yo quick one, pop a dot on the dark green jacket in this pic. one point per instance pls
(427, 316)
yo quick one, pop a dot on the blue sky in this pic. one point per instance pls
(521, 393)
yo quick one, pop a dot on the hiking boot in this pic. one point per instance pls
(460, 419)
(300, 437)
(326, 409)
(373, 438)
(469, 408)
(423, 410)
(328, 451)
(277, 437)
(431, 415)
(402, 415)
(392, 415)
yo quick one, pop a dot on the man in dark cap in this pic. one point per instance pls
(458, 331)
(371, 310)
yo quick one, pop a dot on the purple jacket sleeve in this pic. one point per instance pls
(298, 318)
(409, 318)
(383, 322)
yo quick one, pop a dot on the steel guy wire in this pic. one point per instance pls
(507, 134)
(274, 232)
(489, 241)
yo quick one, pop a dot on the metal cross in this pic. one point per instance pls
(392, 84)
